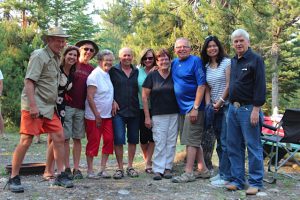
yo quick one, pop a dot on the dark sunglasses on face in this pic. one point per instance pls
(211, 37)
(148, 58)
(89, 49)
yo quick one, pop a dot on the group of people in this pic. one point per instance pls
(201, 100)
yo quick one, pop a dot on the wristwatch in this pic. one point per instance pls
(195, 107)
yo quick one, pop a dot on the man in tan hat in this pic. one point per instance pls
(38, 102)
(75, 104)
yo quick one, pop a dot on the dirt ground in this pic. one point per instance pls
(143, 187)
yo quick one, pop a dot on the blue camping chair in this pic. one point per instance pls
(287, 144)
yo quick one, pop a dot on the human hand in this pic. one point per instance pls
(254, 117)
(193, 114)
(115, 108)
(34, 112)
(148, 122)
(98, 121)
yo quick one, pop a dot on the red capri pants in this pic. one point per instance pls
(93, 134)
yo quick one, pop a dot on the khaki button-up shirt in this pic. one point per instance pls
(43, 69)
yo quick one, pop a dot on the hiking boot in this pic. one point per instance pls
(63, 180)
(14, 184)
(252, 191)
(104, 174)
(216, 177)
(92, 175)
(184, 178)
(219, 183)
(77, 174)
(231, 187)
(69, 173)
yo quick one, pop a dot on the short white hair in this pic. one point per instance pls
(125, 49)
(105, 52)
(182, 39)
(240, 32)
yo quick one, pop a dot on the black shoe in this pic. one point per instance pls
(63, 180)
(77, 174)
(14, 184)
(69, 173)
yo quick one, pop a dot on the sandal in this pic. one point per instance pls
(184, 178)
(48, 178)
(149, 170)
(119, 174)
(157, 176)
(132, 173)
(168, 174)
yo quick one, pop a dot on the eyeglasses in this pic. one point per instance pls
(148, 58)
(89, 49)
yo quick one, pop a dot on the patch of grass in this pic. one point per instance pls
(3, 171)
(288, 182)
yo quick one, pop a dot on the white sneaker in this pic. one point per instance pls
(217, 177)
(219, 183)
(92, 175)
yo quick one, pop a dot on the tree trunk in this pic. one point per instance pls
(275, 88)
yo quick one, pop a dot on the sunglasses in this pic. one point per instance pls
(148, 58)
(89, 49)
(210, 37)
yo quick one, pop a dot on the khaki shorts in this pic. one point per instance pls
(191, 134)
(74, 123)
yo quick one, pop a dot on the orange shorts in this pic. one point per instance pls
(30, 126)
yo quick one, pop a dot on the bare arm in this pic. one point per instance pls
(199, 96)
(145, 97)
(91, 90)
(29, 89)
(207, 94)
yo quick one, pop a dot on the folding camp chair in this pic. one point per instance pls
(289, 142)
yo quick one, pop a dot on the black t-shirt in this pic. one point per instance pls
(162, 96)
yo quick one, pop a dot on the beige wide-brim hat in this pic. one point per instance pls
(83, 42)
(55, 32)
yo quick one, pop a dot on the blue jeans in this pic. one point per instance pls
(220, 130)
(119, 124)
(241, 133)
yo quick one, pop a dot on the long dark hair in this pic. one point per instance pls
(221, 54)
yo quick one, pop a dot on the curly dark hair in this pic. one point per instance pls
(221, 54)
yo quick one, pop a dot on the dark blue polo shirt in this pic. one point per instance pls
(125, 91)
(247, 79)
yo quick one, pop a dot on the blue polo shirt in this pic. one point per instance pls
(187, 75)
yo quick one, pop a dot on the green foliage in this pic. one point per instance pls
(15, 48)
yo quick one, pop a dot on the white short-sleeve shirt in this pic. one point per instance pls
(104, 94)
